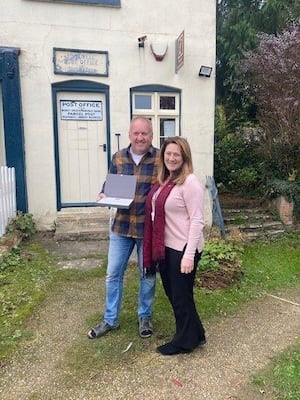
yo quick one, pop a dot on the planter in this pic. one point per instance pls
(285, 209)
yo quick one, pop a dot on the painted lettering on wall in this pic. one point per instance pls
(79, 62)
(81, 110)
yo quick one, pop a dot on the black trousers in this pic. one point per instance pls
(179, 289)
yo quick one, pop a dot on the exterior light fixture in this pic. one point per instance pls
(141, 41)
(205, 71)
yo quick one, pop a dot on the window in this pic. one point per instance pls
(110, 3)
(162, 107)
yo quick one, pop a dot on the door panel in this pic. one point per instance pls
(82, 132)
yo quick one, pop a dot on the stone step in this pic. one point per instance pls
(80, 234)
(260, 234)
(251, 210)
(239, 219)
(249, 214)
(269, 225)
(83, 223)
(252, 222)
(93, 223)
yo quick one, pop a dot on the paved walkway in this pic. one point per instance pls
(237, 346)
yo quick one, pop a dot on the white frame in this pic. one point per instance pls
(156, 114)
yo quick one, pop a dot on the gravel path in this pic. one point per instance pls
(237, 346)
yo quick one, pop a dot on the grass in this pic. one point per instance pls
(30, 275)
(24, 283)
(282, 379)
(267, 266)
(27, 274)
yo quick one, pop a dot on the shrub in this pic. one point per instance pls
(238, 164)
(220, 264)
(23, 223)
(288, 189)
(218, 253)
(275, 92)
(246, 178)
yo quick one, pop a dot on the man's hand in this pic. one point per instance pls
(100, 196)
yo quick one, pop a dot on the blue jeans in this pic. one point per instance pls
(120, 249)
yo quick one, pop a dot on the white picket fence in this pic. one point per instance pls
(7, 197)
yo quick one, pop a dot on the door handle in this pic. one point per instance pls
(104, 146)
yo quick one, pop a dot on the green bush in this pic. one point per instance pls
(23, 223)
(289, 189)
(246, 178)
(286, 188)
(238, 164)
(217, 254)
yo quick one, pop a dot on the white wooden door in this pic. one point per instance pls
(82, 141)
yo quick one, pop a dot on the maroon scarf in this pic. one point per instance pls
(154, 232)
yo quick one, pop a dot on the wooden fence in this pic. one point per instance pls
(7, 197)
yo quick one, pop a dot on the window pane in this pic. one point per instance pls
(167, 103)
(142, 102)
(167, 128)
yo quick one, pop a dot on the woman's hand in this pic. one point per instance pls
(186, 266)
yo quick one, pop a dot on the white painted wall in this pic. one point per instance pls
(36, 27)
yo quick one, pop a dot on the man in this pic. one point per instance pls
(140, 158)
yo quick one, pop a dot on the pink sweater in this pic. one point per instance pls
(184, 217)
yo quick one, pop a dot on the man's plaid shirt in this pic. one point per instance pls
(130, 222)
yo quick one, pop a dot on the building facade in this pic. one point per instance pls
(74, 72)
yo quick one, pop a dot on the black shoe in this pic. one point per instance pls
(101, 329)
(170, 349)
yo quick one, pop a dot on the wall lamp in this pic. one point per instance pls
(205, 71)
(141, 41)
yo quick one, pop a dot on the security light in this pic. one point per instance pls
(205, 71)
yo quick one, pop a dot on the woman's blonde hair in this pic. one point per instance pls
(184, 170)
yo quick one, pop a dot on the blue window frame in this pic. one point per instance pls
(109, 3)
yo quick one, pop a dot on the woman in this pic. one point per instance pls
(173, 240)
